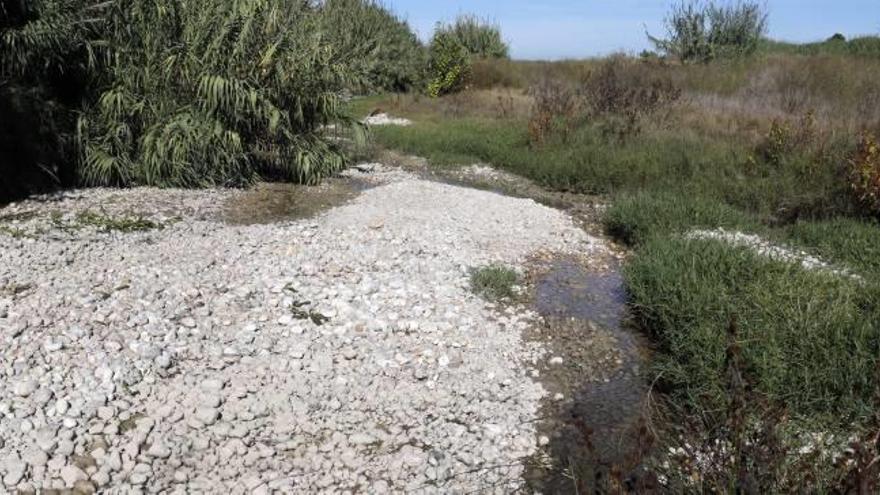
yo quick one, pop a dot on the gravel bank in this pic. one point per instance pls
(341, 353)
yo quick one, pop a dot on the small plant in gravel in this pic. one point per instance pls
(13, 232)
(495, 282)
(121, 224)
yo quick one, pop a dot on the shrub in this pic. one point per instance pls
(625, 102)
(865, 173)
(481, 38)
(449, 66)
(554, 111)
(786, 139)
(206, 93)
(698, 32)
(381, 49)
(453, 49)
(494, 282)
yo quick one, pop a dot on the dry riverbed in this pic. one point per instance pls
(202, 341)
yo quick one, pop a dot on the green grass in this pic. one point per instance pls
(635, 218)
(810, 339)
(494, 282)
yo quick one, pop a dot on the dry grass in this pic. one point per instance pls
(734, 98)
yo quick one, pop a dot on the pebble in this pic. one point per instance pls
(159, 450)
(72, 474)
(25, 388)
(207, 415)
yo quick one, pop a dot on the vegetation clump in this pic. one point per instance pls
(455, 46)
(186, 105)
(865, 173)
(449, 67)
(384, 53)
(481, 38)
(45, 61)
(495, 282)
(702, 32)
(106, 223)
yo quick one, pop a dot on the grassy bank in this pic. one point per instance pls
(736, 151)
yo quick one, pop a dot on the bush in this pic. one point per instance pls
(625, 102)
(481, 38)
(203, 93)
(494, 282)
(618, 98)
(381, 49)
(453, 49)
(449, 67)
(700, 32)
(555, 111)
(865, 173)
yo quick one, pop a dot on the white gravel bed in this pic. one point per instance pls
(190, 359)
(385, 119)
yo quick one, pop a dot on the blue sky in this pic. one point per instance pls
(580, 28)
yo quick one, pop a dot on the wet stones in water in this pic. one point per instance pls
(585, 313)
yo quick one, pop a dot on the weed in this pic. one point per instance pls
(14, 232)
(495, 282)
(626, 103)
(123, 224)
(554, 111)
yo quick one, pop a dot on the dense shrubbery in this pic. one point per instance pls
(612, 96)
(862, 46)
(481, 38)
(187, 93)
(449, 67)
(698, 32)
(381, 48)
(206, 93)
(455, 46)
